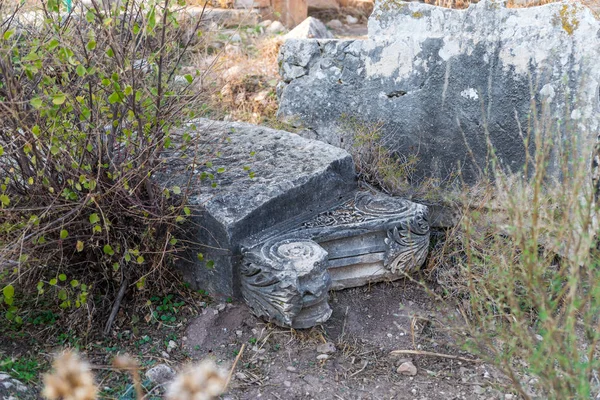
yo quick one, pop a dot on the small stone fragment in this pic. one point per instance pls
(334, 24)
(160, 374)
(291, 369)
(287, 383)
(265, 23)
(236, 38)
(171, 346)
(326, 348)
(350, 20)
(276, 27)
(322, 357)
(221, 307)
(407, 368)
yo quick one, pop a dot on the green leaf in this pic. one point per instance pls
(8, 34)
(189, 78)
(5, 200)
(186, 211)
(53, 281)
(91, 45)
(62, 277)
(173, 241)
(94, 218)
(114, 97)
(220, 170)
(108, 250)
(64, 234)
(36, 103)
(59, 98)
(210, 264)
(8, 292)
(53, 44)
(54, 150)
(116, 267)
(176, 190)
(127, 257)
(62, 294)
(80, 70)
(139, 260)
(200, 256)
(79, 246)
(1, 150)
(74, 283)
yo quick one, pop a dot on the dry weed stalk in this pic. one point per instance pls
(128, 363)
(203, 381)
(71, 379)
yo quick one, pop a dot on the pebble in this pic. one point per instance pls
(287, 383)
(326, 348)
(509, 396)
(322, 357)
(265, 23)
(240, 375)
(407, 368)
(291, 369)
(334, 24)
(160, 374)
(236, 38)
(239, 333)
(171, 346)
(276, 27)
(221, 307)
(164, 354)
(350, 20)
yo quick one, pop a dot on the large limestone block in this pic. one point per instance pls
(445, 83)
(259, 178)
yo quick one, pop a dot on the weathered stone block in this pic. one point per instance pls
(446, 84)
(269, 176)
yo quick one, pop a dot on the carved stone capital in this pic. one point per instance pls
(286, 282)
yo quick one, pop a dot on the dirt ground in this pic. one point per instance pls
(366, 325)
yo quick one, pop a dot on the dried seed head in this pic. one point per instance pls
(71, 379)
(204, 381)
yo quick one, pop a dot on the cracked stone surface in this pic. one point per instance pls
(444, 81)
(256, 178)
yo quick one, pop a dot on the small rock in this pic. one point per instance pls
(221, 307)
(265, 23)
(291, 369)
(350, 20)
(262, 96)
(310, 28)
(509, 396)
(276, 27)
(322, 357)
(334, 24)
(160, 374)
(326, 348)
(478, 389)
(240, 375)
(407, 368)
(287, 383)
(239, 333)
(236, 38)
(216, 312)
(164, 354)
(171, 346)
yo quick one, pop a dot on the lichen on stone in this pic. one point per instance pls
(568, 18)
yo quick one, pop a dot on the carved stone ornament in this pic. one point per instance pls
(367, 238)
(286, 282)
(408, 242)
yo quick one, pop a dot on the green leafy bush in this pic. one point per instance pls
(90, 102)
